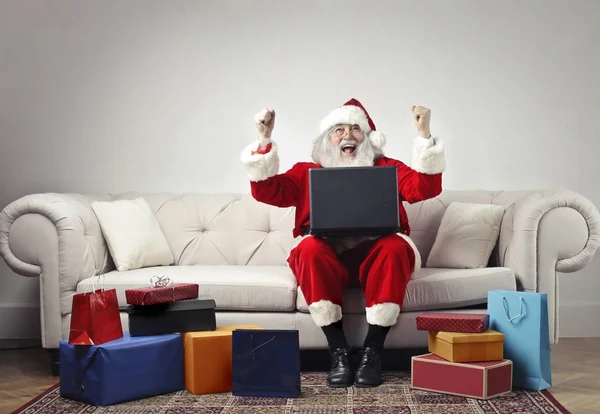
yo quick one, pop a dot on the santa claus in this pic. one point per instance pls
(382, 266)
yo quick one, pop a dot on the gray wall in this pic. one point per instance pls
(109, 96)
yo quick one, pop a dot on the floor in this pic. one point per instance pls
(575, 369)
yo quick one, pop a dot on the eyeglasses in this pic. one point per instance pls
(342, 130)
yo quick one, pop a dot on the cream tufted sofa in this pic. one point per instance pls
(236, 249)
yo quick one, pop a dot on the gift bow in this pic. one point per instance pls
(160, 281)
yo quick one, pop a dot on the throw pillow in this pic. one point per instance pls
(133, 234)
(467, 235)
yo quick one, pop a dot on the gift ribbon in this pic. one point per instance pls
(160, 281)
(505, 303)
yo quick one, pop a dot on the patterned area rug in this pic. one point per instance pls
(394, 396)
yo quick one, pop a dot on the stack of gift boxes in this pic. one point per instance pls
(174, 344)
(465, 359)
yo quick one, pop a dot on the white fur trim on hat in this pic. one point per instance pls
(348, 114)
(378, 139)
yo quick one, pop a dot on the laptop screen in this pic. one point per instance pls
(354, 201)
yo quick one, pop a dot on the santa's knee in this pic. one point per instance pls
(312, 249)
(399, 250)
(394, 245)
(310, 245)
(312, 252)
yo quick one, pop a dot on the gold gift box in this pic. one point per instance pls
(467, 347)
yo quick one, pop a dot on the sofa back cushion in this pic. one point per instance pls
(235, 229)
(425, 217)
(224, 229)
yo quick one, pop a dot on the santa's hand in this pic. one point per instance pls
(422, 116)
(265, 121)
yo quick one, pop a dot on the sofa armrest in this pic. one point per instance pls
(545, 232)
(58, 238)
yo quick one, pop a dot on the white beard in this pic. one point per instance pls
(330, 155)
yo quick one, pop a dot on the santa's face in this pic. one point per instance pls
(347, 138)
(344, 146)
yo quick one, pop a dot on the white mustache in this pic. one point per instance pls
(348, 142)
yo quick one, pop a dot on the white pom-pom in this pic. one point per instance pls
(378, 139)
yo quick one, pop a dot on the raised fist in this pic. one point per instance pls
(422, 116)
(265, 121)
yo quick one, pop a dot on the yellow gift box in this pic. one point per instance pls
(467, 347)
(207, 359)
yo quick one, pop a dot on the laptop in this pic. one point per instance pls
(353, 201)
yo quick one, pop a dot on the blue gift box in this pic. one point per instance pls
(126, 369)
(265, 363)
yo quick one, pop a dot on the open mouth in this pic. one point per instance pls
(348, 149)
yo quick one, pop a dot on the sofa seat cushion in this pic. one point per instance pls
(249, 288)
(433, 288)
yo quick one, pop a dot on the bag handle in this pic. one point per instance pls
(253, 352)
(99, 273)
(505, 303)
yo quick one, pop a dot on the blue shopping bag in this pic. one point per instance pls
(523, 319)
(265, 363)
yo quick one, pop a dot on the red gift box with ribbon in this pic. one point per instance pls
(162, 290)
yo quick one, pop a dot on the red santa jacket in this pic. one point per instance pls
(420, 182)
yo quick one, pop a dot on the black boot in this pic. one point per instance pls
(340, 374)
(369, 371)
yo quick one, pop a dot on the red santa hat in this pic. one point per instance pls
(353, 112)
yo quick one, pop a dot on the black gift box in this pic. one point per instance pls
(194, 315)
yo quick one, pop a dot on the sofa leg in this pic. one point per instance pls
(54, 362)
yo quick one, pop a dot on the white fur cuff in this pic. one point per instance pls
(325, 312)
(260, 166)
(383, 314)
(428, 155)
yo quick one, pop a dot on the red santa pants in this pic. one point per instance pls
(382, 267)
